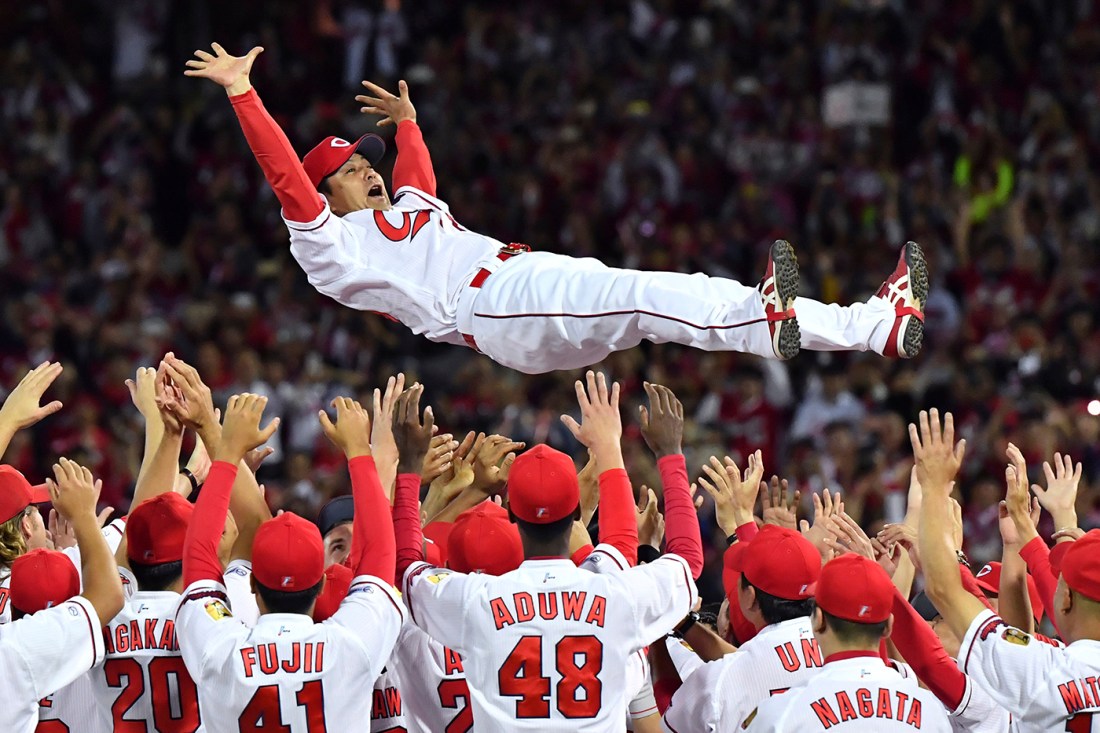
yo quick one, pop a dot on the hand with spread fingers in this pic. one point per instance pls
(734, 494)
(184, 394)
(1018, 503)
(828, 507)
(663, 421)
(23, 407)
(938, 457)
(601, 426)
(230, 72)
(351, 431)
(779, 507)
(413, 436)
(1060, 496)
(241, 431)
(394, 109)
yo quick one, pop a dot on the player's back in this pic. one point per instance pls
(434, 691)
(853, 693)
(143, 680)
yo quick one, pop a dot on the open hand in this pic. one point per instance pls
(351, 432)
(663, 422)
(73, 491)
(651, 523)
(778, 509)
(22, 408)
(395, 109)
(241, 431)
(1060, 496)
(223, 69)
(492, 458)
(601, 427)
(734, 495)
(412, 436)
(937, 455)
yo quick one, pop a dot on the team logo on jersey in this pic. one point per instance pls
(217, 610)
(339, 142)
(1015, 636)
(236, 570)
(437, 578)
(748, 720)
(73, 611)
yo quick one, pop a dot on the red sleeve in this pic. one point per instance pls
(664, 689)
(682, 535)
(581, 554)
(925, 654)
(200, 546)
(408, 533)
(372, 534)
(1037, 556)
(284, 172)
(618, 525)
(746, 532)
(413, 166)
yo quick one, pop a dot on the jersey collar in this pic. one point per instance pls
(841, 656)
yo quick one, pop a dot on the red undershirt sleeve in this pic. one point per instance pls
(408, 533)
(284, 172)
(372, 535)
(925, 654)
(618, 525)
(200, 545)
(682, 535)
(413, 166)
(1037, 556)
(746, 532)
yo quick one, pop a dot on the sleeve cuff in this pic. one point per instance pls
(248, 96)
(977, 628)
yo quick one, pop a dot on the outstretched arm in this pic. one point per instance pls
(284, 172)
(413, 166)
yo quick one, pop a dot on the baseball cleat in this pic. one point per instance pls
(907, 290)
(778, 290)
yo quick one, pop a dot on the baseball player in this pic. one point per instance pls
(855, 690)
(1044, 686)
(286, 672)
(410, 260)
(545, 647)
(43, 652)
(21, 526)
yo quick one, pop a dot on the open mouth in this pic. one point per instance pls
(375, 190)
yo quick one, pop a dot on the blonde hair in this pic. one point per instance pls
(12, 542)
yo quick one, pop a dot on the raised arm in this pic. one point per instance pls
(413, 438)
(21, 409)
(284, 172)
(413, 166)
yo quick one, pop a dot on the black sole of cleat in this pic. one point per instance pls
(785, 265)
(918, 282)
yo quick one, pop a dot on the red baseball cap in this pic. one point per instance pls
(778, 561)
(1081, 565)
(16, 493)
(337, 583)
(156, 529)
(855, 589)
(42, 579)
(483, 540)
(742, 629)
(333, 152)
(1057, 555)
(542, 486)
(989, 580)
(288, 553)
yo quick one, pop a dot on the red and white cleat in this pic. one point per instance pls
(907, 290)
(778, 290)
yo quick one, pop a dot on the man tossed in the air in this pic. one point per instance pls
(409, 259)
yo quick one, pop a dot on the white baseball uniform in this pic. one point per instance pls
(539, 311)
(387, 714)
(721, 694)
(287, 670)
(979, 713)
(40, 654)
(545, 647)
(683, 657)
(857, 693)
(1045, 687)
(433, 686)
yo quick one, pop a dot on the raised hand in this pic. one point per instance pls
(589, 480)
(1060, 496)
(184, 394)
(850, 537)
(22, 408)
(381, 437)
(351, 432)
(143, 392)
(439, 458)
(394, 109)
(223, 69)
(651, 523)
(938, 456)
(777, 509)
(492, 458)
(601, 427)
(412, 436)
(663, 422)
(1009, 535)
(241, 431)
(734, 495)
(827, 508)
(1017, 497)
(73, 491)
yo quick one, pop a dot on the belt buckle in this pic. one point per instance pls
(514, 248)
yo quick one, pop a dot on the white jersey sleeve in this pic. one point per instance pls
(238, 586)
(373, 613)
(204, 624)
(699, 705)
(437, 601)
(662, 593)
(43, 652)
(978, 712)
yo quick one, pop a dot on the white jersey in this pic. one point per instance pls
(720, 695)
(410, 263)
(979, 713)
(40, 654)
(143, 678)
(238, 586)
(683, 657)
(859, 694)
(1044, 687)
(546, 646)
(434, 693)
(287, 670)
(387, 714)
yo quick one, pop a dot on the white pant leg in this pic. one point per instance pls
(541, 312)
(832, 327)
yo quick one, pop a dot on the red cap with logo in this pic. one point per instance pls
(742, 629)
(42, 579)
(1081, 565)
(16, 493)
(989, 580)
(156, 528)
(288, 554)
(483, 540)
(543, 486)
(332, 152)
(337, 583)
(855, 589)
(778, 561)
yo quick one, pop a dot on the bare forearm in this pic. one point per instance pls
(249, 508)
(159, 471)
(1014, 604)
(154, 436)
(707, 644)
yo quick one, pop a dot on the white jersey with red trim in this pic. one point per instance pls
(979, 713)
(410, 263)
(434, 693)
(545, 647)
(852, 693)
(387, 714)
(720, 695)
(42, 653)
(1045, 687)
(287, 672)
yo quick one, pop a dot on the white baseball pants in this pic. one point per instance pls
(541, 312)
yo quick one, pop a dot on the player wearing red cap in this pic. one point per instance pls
(286, 672)
(855, 690)
(409, 259)
(21, 526)
(1044, 686)
(545, 647)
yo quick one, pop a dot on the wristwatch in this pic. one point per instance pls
(682, 628)
(190, 477)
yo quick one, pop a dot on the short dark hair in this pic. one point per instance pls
(281, 601)
(545, 533)
(854, 633)
(776, 610)
(156, 576)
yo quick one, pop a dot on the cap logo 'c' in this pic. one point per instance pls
(287, 580)
(339, 143)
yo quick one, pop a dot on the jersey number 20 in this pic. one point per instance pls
(579, 660)
(127, 673)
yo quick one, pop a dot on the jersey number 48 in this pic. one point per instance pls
(578, 659)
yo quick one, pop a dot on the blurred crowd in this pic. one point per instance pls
(659, 134)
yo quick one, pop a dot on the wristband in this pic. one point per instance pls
(684, 626)
(190, 477)
(963, 559)
(731, 539)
